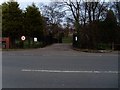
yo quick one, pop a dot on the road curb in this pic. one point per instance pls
(92, 51)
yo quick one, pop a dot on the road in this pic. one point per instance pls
(58, 66)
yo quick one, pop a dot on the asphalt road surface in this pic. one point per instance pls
(58, 66)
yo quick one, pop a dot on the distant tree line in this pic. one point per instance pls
(97, 24)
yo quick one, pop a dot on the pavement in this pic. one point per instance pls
(59, 66)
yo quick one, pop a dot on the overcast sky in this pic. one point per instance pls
(54, 0)
(1, 1)
(25, 3)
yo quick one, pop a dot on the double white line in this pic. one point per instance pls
(61, 71)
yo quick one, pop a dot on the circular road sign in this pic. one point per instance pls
(23, 38)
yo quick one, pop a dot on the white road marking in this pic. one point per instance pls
(60, 71)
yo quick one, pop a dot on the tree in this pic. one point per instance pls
(111, 25)
(74, 7)
(92, 11)
(53, 12)
(115, 6)
(54, 16)
(0, 20)
(118, 11)
(12, 21)
(34, 23)
(85, 13)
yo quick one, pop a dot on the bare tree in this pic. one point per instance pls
(95, 10)
(74, 7)
(53, 12)
(117, 7)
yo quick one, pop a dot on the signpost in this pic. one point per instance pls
(76, 38)
(23, 38)
(35, 39)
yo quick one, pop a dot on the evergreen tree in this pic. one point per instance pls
(34, 23)
(110, 25)
(12, 21)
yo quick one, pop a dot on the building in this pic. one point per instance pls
(4, 42)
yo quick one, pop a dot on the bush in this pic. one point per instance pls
(103, 46)
(38, 45)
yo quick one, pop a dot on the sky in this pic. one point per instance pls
(25, 3)
(1, 1)
(54, 0)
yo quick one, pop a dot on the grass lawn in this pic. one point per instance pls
(67, 39)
